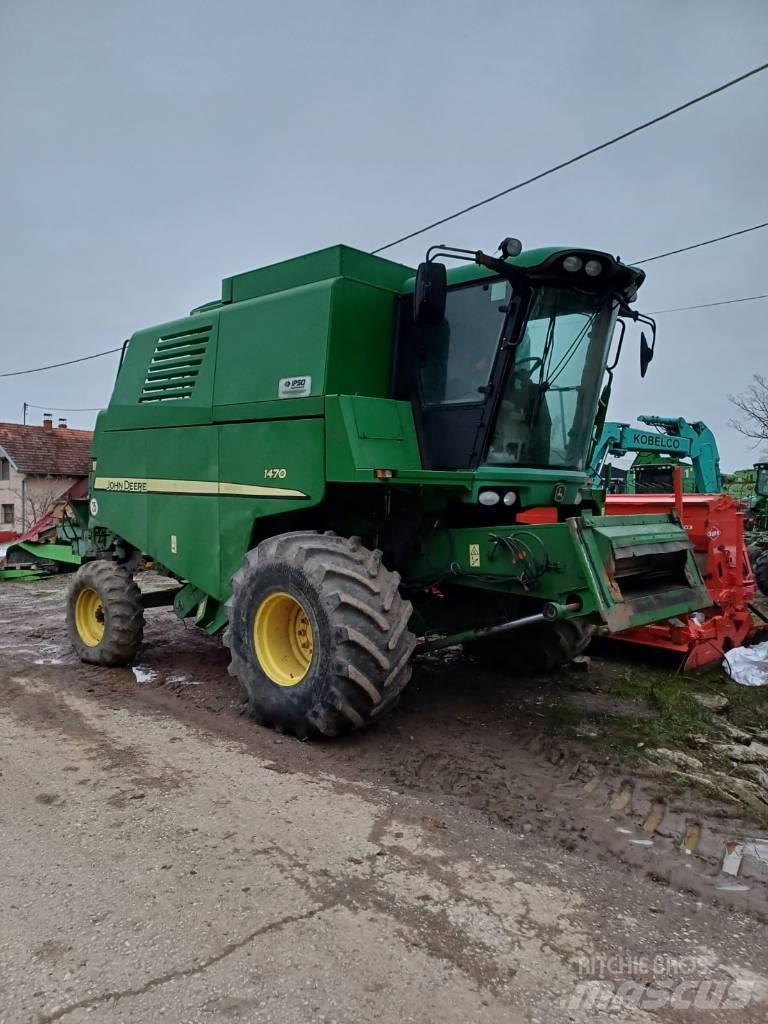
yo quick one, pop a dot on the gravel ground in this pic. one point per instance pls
(166, 859)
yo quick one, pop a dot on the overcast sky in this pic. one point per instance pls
(151, 148)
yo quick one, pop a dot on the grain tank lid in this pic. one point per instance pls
(323, 265)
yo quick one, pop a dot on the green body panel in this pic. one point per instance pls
(50, 552)
(127, 411)
(579, 559)
(190, 498)
(299, 318)
(325, 264)
(264, 412)
(365, 434)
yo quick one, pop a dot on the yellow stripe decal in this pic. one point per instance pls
(143, 485)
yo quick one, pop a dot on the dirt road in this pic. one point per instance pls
(165, 859)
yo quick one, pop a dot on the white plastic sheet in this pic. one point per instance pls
(748, 665)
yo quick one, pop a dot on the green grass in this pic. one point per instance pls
(677, 721)
(679, 717)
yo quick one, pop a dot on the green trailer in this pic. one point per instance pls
(344, 461)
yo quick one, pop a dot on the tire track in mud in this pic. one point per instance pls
(463, 737)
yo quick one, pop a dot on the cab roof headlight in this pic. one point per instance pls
(573, 264)
(509, 498)
(488, 498)
(592, 268)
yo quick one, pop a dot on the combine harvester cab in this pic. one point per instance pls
(344, 460)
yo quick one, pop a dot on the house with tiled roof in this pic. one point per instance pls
(38, 465)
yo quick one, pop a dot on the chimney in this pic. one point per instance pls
(62, 422)
(47, 421)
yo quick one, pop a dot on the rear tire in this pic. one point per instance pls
(760, 572)
(318, 634)
(105, 615)
(538, 650)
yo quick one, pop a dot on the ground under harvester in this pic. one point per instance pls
(344, 460)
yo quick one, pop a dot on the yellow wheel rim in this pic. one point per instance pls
(89, 617)
(283, 639)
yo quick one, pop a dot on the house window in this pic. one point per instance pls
(5, 469)
(8, 515)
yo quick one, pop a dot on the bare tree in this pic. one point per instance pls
(39, 496)
(752, 406)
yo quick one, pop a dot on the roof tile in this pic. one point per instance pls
(60, 451)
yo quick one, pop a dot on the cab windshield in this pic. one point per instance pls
(547, 411)
(761, 486)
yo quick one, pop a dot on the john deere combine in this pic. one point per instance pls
(343, 458)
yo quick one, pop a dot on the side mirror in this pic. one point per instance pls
(430, 293)
(646, 354)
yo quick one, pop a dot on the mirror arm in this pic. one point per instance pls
(643, 319)
(513, 274)
(449, 250)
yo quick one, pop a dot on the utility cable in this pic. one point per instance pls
(698, 245)
(67, 362)
(706, 305)
(575, 159)
(59, 408)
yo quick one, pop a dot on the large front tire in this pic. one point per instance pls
(105, 615)
(318, 634)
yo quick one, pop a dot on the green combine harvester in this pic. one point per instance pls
(344, 461)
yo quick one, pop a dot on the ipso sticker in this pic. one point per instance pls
(294, 387)
(93, 505)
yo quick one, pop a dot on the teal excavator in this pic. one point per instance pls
(661, 444)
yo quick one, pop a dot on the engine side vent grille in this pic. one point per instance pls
(175, 365)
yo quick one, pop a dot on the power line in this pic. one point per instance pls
(59, 408)
(67, 362)
(698, 245)
(706, 305)
(575, 159)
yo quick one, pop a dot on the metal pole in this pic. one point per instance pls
(551, 613)
(678, 477)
